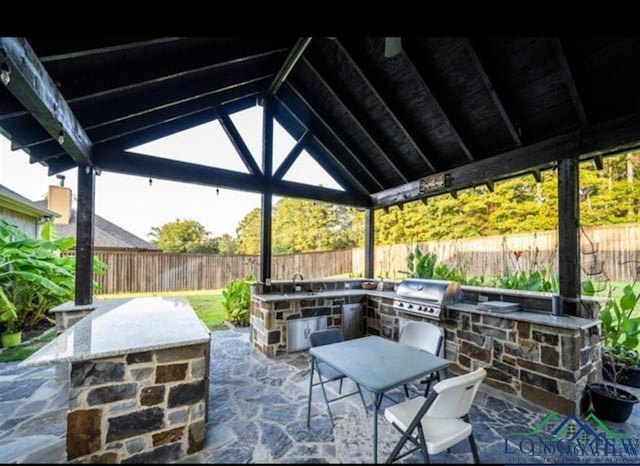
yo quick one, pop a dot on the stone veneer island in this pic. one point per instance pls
(542, 358)
(138, 381)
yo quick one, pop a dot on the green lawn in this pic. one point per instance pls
(209, 309)
(206, 303)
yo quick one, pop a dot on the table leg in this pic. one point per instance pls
(311, 361)
(377, 401)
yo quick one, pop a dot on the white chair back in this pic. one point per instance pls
(455, 395)
(422, 335)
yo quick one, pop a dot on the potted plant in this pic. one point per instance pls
(619, 358)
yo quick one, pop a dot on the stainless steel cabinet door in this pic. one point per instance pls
(298, 331)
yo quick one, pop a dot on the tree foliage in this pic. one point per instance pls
(183, 236)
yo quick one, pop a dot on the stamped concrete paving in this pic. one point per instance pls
(258, 414)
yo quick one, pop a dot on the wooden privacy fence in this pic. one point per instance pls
(136, 271)
(607, 252)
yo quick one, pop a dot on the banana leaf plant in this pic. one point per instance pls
(34, 275)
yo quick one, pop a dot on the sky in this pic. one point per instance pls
(136, 205)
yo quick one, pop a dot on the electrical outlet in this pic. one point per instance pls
(298, 288)
(482, 298)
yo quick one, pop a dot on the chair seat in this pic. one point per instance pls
(328, 372)
(440, 433)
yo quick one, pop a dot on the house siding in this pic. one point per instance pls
(26, 223)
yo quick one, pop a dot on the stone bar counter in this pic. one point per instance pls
(532, 354)
(138, 381)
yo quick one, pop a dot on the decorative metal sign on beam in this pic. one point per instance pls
(27, 79)
(287, 66)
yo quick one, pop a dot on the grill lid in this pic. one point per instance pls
(420, 289)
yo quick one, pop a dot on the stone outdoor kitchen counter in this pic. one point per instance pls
(138, 379)
(125, 325)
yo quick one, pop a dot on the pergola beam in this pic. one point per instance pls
(335, 136)
(30, 83)
(356, 119)
(289, 63)
(238, 143)
(412, 64)
(337, 167)
(605, 138)
(114, 159)
(571, 84)
(291, 157)
(492, 91)
(385, 103)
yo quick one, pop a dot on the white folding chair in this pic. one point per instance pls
(441, 420)
(426, 337)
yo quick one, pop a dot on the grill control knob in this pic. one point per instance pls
(409, 306)
(400, 304)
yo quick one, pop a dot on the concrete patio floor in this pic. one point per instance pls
(257, 414)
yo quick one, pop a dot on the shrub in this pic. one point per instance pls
(236, 300)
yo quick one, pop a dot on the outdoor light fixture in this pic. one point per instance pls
(217, 191)
(5, 74)
(150, 181)
(60, 137)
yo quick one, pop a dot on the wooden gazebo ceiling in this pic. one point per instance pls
(476, 109)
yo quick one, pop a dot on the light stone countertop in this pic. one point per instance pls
(321, 294)
(125, 325)
(568, 322)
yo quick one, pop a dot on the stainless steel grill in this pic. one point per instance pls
(426, 298)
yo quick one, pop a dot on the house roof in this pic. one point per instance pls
(16, 202)
(106, 234)
(474, 109)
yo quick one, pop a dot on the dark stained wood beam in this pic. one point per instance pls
(114, 159)
(291, 157)
(569, 234)
(335, 136)
(173, 69)
(357, 119)
(571, 84)
(602, 139)
(108, 49)
(413, 65)
(537, 175)
(490, 186)
(385, 103)
(60, 164)
(238, 143)
(85, 219)
(598, 162)
(369, 242)
(492, 91)
(33, 87)
(289, 63)
(318, 193)
(266, 210)
(342, 171)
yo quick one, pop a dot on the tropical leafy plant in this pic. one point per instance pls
(619, 328)
(35, 275)
(536, 280)
(420, 265)
(236, 300)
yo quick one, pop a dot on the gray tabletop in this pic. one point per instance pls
(378, 364)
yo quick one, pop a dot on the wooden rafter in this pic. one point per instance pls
(289, 63)
(291, 157)
(357, 119)
(571, 83)
(385, 103)
(335, 136)
(492, 91)
(412, 62)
